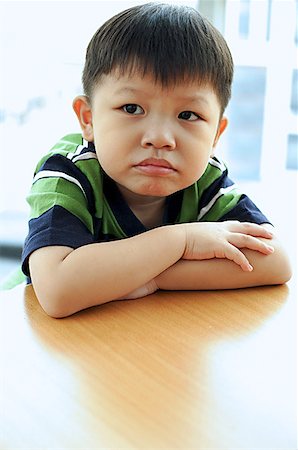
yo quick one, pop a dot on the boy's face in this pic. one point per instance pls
(150, 140)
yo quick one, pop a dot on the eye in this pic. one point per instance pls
(132, 108)
(188, 115)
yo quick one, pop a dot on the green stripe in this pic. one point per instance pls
(110, 224)
(12, 280)
(91, 169)
(210, 175)
(67, 144)
(222, 206)
(193, 194)
(93, 172)
(48, 192)
(189, 208)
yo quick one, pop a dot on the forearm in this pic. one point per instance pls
(67, 280)
(225, 274)
(98, 273)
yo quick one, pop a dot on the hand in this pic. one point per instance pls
(207, 240)
(143, 291)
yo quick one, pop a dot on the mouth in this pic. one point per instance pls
(155, 166)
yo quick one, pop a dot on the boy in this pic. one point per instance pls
(139, 202)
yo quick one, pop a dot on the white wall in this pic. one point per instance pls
(42, 51)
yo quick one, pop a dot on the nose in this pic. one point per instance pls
(159, 136)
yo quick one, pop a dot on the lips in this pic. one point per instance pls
(155, 166)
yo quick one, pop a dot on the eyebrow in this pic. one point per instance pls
(192, 98)
(128, 90)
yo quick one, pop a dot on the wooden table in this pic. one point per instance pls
(188, 370)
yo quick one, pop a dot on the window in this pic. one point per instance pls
(262, 141)
(42, 59)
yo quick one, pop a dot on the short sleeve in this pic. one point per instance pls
(221, 199)
(245, 211)
(61, 206)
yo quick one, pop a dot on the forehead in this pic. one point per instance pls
(134, 83)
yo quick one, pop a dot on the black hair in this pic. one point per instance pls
(172, 43)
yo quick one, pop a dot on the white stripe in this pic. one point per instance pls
(87, 155)
(79, 149)
(219, 164)
(221, 192)
(56, 174)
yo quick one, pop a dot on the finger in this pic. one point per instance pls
(137, 293)
(234, 254)
(250, 242)
(142, 291)
(251, 229)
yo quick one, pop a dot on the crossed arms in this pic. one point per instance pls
(192, 256)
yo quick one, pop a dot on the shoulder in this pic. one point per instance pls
(216, 168)
(72, 147)
(71, 166)
(71, 156)
(214, 178)
(218, 194)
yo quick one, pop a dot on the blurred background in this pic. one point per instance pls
(42, 50)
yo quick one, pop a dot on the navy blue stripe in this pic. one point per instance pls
(90, 148)
(173, 208)
(245, 211)
(61, 164)
(57, 226)
(222, 182)
(86, 149)
(125, 217)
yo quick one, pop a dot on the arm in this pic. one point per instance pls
(67, 280)
(224, 274)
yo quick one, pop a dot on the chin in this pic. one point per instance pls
(155, 191)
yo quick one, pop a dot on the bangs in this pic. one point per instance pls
(160, 48)
(170, 43)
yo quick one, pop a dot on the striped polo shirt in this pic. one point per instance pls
(74, 203)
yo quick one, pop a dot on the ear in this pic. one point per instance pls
(82, 108)
(221, 128)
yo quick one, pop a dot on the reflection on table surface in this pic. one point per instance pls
(185, 370)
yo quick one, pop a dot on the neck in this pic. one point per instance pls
(149, 210)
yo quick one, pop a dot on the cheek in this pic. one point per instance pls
(107, 157)
(197, 171)
(197, 156)
(110, 134)
(105, 152)
(111, 157)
